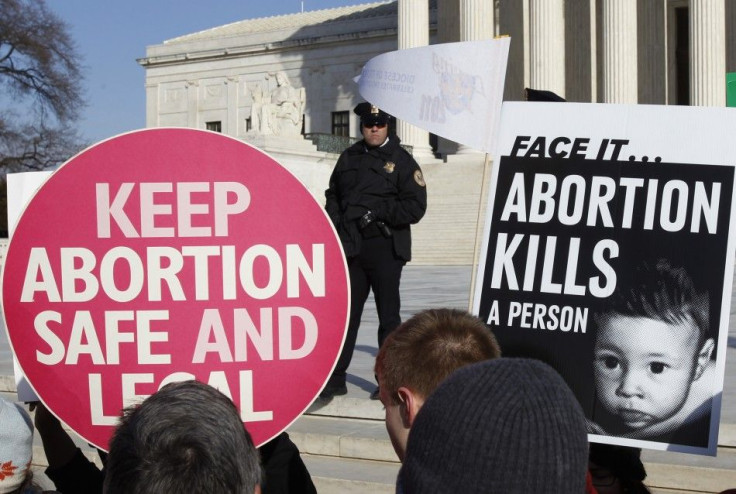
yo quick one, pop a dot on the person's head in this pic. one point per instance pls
(282, 79)
(16, 447)
(420, 354)
(373, 123)
(651, 344)
(187, 437)
(506, 425)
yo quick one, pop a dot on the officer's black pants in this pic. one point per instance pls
(376, 268)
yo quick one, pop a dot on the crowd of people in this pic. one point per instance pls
(187, 437)
(460, 416)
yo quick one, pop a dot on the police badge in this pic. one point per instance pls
(389, 167)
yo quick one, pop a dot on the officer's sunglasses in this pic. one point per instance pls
(370, 126)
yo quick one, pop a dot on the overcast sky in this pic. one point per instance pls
(111, 35)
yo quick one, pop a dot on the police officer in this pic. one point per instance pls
(376, 191)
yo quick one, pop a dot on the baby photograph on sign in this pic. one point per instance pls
(608, 253)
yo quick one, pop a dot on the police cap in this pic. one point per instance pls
(371, 114)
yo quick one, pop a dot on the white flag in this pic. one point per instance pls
(453, 90)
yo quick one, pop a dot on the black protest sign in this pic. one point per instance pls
(609, 259)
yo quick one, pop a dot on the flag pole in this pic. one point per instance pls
(478, 229)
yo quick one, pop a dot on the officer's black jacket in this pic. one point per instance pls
(385, 180)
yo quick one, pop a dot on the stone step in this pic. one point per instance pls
(365, 443)
(679, 472)
(354, 454)
(358, 439)
(333, 475)
(346, 447)
(446, 234)
(672, 479)
(348, 407)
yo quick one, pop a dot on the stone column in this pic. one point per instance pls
(547, 45)
(477, 22)
(707, 53)
(413, 33)
(620, 74)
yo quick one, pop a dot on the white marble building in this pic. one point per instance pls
(207, 76)
(634, 51)
(640, 51)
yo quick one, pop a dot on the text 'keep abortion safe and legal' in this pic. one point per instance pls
(157, 273)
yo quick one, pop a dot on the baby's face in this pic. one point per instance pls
(643, 367)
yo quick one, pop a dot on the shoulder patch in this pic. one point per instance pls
(419, 178)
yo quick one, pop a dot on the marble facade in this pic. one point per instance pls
(585, 50)
(617, 51)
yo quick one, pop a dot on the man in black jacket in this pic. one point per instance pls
(376, 192)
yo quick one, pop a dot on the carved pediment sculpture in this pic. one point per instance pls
(280, 110)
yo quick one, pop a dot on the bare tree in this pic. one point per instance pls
(40, 87)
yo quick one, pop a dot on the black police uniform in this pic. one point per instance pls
(374, 195)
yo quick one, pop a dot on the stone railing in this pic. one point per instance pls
(329, 143)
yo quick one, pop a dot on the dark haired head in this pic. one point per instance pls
(187, 437)
(662, 292)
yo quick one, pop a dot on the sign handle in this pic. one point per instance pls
(478, 228)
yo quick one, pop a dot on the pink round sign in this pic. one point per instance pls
(174, 254)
